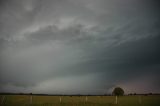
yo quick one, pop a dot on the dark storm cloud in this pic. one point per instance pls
(71, 46)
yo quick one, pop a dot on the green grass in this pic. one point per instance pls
(24, 100)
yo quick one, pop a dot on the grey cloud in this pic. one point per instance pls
(59, 44)
(15, 17)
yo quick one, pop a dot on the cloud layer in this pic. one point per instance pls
(79, 46)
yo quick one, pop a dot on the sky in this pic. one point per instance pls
(79, 46)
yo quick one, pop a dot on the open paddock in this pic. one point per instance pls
(36, 100)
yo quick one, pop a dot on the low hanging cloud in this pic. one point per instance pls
(79, 47)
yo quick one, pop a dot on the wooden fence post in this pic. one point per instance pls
(31, 99)
(60, 100)
(3, 99)
(116, 102)
(86, 99)
(140, 100)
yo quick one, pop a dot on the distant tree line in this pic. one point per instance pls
(118, 91)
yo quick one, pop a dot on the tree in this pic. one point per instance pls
(118, 91)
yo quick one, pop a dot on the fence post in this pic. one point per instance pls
(3, 98)
(31, 99)
(116, 100)
(60, 100)
(140, 100)
(86, 99)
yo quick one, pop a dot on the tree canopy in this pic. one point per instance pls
(118, 91)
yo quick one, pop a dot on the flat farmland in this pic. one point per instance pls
(34, 100)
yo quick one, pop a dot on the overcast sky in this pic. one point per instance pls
(79, 46)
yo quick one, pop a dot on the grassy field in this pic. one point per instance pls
(25, 100)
